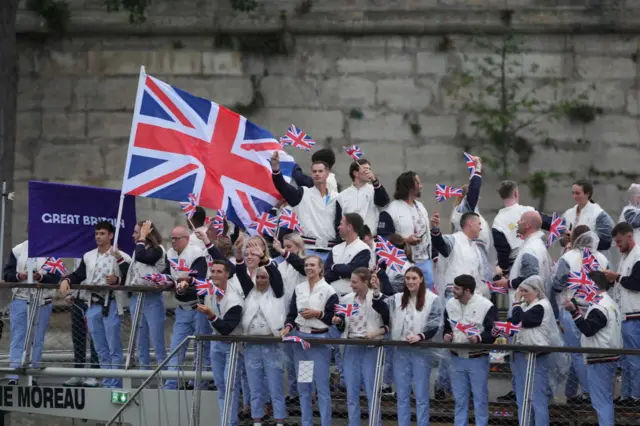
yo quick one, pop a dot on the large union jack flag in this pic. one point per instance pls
(392, 256)
(183, 144)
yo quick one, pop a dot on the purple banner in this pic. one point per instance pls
(62, 218)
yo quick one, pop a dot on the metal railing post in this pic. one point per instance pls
(374, 404)
(528, 388)
(195, 414)
(33, 311)
(144, 384)
(135, 329)
(230, 381)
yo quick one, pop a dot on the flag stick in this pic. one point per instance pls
(4, 200)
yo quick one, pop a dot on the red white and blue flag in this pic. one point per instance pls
(207, 288)
(471, 165)
(495, 288)
(506, 328)
(297, 139)
(183, 144)
(54, 265)
(353, 151)
(296, 339)
(468, 329)
(189, 206)
(444, 192)
(577, 280)
(218, 222)
(179, 265)
(556, 229)
(389, 254)
(589, 261)
(289, 220)
(347, 309)
(590, 296)
(265, 224)
(158, 278)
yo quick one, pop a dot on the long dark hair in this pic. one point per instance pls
(404, 184)
(154, 239)
(422, 290)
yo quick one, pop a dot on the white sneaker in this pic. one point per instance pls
(73, 382)
(91, 382)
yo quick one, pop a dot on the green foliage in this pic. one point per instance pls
(584, 113)
(244, 5)
(538, 184)
(501, 104)
(55, 13)
(356, 114)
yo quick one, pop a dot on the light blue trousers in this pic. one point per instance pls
(290, 366)
(470, 374)
(106, 334)
(321, 357)
(412, 366)
(631, 363)
(188, 322)
(19, 318)
(540, 397)
(578, 371)
(220, 367)
(359, 368)
(601, 381)
(264, 364)
(151, 331)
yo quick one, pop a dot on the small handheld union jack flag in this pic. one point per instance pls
(556, 229)
(297, 139)
(506, 328)
(189, 206)
(265, 224)
(157, 278)
(296, 339)
(218, 222)
(579, 280)
(444, 192)
(347, 309)
(590, 296)
(353, 151)
(207, 288)
(389, 254)
(179, 265)
(54, 265)
(468, 329)
(495, 288)
(589, 261)
(471, 165)
(289, 220)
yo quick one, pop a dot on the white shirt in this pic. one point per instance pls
(360, 201)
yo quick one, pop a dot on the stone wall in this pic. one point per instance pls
(342, 79)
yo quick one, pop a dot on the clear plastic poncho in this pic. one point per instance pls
(631, 212)
(559, 362)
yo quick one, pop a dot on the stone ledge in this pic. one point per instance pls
(364, 22)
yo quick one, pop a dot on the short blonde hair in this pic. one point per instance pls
(297, 240)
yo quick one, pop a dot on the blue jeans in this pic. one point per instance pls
(578, 371)
(426, 266)
(631, 363)
(540, 396)
(359, 367)
(470, 374)
(388, 366)
(151, 328)
(412, 366)
(106, 334)
(601, 381)
(188, 322)
(220, 367)
(19, 318)
(290, 366)
(321, 357)
(260, 361)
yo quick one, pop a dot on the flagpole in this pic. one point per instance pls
(4, 206)
(132, 138)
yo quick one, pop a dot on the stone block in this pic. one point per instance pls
(318, 61)
(222, 63)
(375, 126)
(633, 102)
(603, 67)
(604, 44)
(64, 162)
(475, 62)
(613, 129)
(29, 94)
(109, 125)
(606, 94)
(319, 124)
(559, 161)
(404, 94)
(52, 63)
(28, 125)
(227, 91)
(559, 130)
(115, 157)
(24, 159)
(618, 159)
(384, 158)
(56, 93)
(434, 160)
(431, 63)
(156, 62)
(109, 94)
(438, 126)
(347, 92)
(289, 92)
(63, 125)
(394, 64)
(542, 65)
